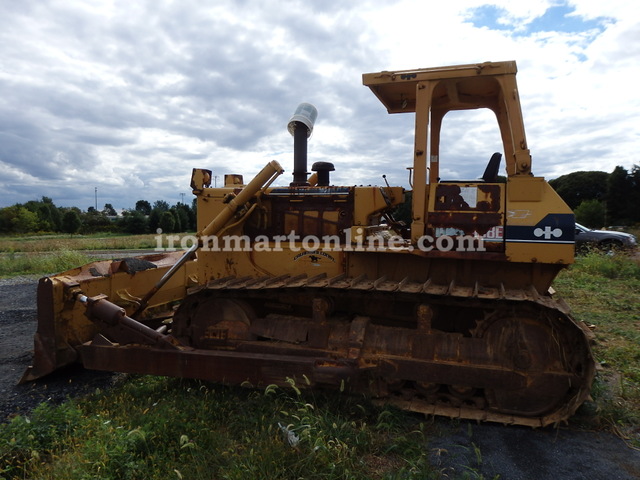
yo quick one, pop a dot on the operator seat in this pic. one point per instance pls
(490, 174)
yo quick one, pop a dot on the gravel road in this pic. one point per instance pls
(464, 450)
(17, 326)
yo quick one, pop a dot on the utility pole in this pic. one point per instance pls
(182, 195)
(96, 199)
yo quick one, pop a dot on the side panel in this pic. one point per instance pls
(540, 226)
(270, 259)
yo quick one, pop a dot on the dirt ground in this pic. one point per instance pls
(463, 450)
(17, 326)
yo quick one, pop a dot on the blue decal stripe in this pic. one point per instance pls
(554, 228)
(510, 240)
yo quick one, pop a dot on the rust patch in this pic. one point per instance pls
(477, 197)
(489, 198)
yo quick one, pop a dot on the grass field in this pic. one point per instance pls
(46, 254)
(174, 429)
(52, 243)
(158, 428)
(604, 292)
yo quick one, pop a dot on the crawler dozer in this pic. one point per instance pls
(448, 313)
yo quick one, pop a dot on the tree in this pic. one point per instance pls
(50, 218)
(634, 176)
(154, 220)
(187, 217)
(71, 222)
(619, 193)
(590, 213)
(182, 217)
(5, 220)
(177, 226)
(576, 187)
(194, 214)
(167, 222)
(48, 214)
(134, 222)
(25, 221)
(18, 219)
(56, 216)
(160, 205)
(109, 210)
(143, 207)
(94, 221)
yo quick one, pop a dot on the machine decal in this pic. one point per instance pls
(496, 234)
(311, 191)
(315, 256)
(519, 213)
(554, 228)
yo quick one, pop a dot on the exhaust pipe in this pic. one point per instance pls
(300, 127)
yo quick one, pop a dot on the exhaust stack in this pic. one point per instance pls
(300, 127)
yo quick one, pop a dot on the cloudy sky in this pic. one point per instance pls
(129, 96)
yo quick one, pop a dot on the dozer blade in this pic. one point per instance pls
(62, 322)
(143, 287)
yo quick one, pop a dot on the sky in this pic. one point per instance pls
(125, 98)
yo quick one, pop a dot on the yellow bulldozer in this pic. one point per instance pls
(449, 313)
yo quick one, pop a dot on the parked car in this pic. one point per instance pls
(603, 239)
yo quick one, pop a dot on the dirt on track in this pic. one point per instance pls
(463, 450)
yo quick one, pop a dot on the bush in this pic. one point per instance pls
(590, 213)
(617, 266)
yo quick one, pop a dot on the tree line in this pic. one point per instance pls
(601, 199)
(44, 216)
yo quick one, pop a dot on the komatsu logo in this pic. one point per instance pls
(548, 233)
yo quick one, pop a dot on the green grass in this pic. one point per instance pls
(46, 254)
(604, 292)
(49, 243)
(158, 428)
(13, 264)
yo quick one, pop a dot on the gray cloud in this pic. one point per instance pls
(128, 97)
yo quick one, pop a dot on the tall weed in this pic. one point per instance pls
(26, 442)
(618, 266)
(159, 428)
(31, 263)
